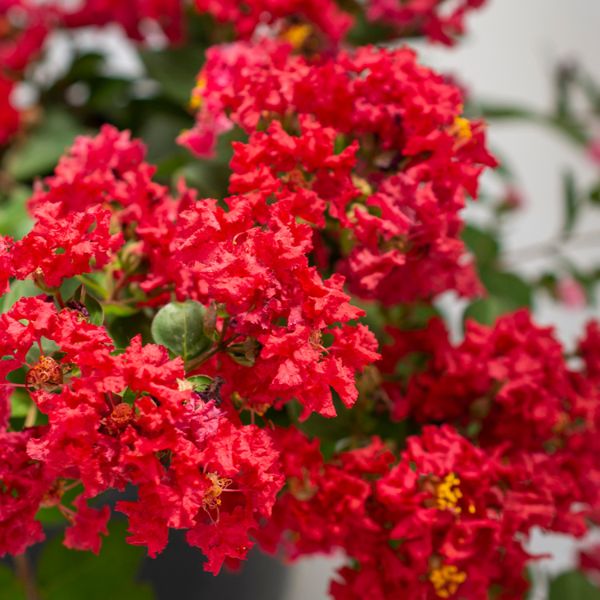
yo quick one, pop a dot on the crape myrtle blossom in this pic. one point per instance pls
(115, 420)
(343, 207)
(438, 21)
(429, 525)
(371, 139)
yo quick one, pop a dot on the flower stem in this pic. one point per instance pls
(25, 573)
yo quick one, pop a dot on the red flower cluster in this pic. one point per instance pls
(118, 420)
(510, 388)
(433, 526)
(331, 21)
(431, 17)
(408, 158)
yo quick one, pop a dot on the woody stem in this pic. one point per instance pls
(25, 573)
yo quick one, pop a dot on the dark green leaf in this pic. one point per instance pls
(175, 70)
(72, 575)
(10, 587)
(179, 327)
(571, 203)
(573, 586)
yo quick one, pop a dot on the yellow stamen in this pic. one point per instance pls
(197, 99)
(296, 35)
(446, 579)
(212, 497)
(448, 494)
(461, 128)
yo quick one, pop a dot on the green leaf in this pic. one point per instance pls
(14, 219)
(573, 586)
(482, 244)
(175, 70)
(120, 310)
(571, 203)
(65, 574)
(44, 146)
(10, 587)
(511, 288)
(92, 305)
(200, 382)
(18, 289)
(487, 310)
(179, 327)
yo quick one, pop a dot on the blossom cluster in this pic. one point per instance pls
(25, 26)
(182, 351)
(372, 140)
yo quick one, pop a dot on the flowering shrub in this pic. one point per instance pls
(268, 365)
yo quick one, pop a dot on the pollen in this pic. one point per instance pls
(296, 35)
(462, 129)
(45, 374)
(212, 497)
(446, 579)
(197, 98)
(448, 493)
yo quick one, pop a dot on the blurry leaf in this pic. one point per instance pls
(179, 327)
(573, 586)
(20, 402)
(120, 310)
(176, 71)
(10, 587)
(487, 310)
(200, 382)
(505, 111)
(14, 219)
(482, 244)
(73, 575)
(571, 203)
(18, 289)
(91, 304)
(512, 289)
(41, 150)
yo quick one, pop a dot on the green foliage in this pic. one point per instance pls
(64, 574)
(42, 148)
(573, 586)
(179, 326)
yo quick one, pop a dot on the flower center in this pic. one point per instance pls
(121, 416)
(446, 579)
(448, 493)
(45, 374)
(212, 497)
(461, 128)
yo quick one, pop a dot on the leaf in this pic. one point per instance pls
(200, 382)
(571, 203)
(44, 146)
(65, 574)
(92, 305)
(14, 219)
(573, 586)
(487, 310)
(175, 69)
(179, 327)
(18, 289)
(483, 245)
(10, 587)
(511, 288)
(120, 310)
